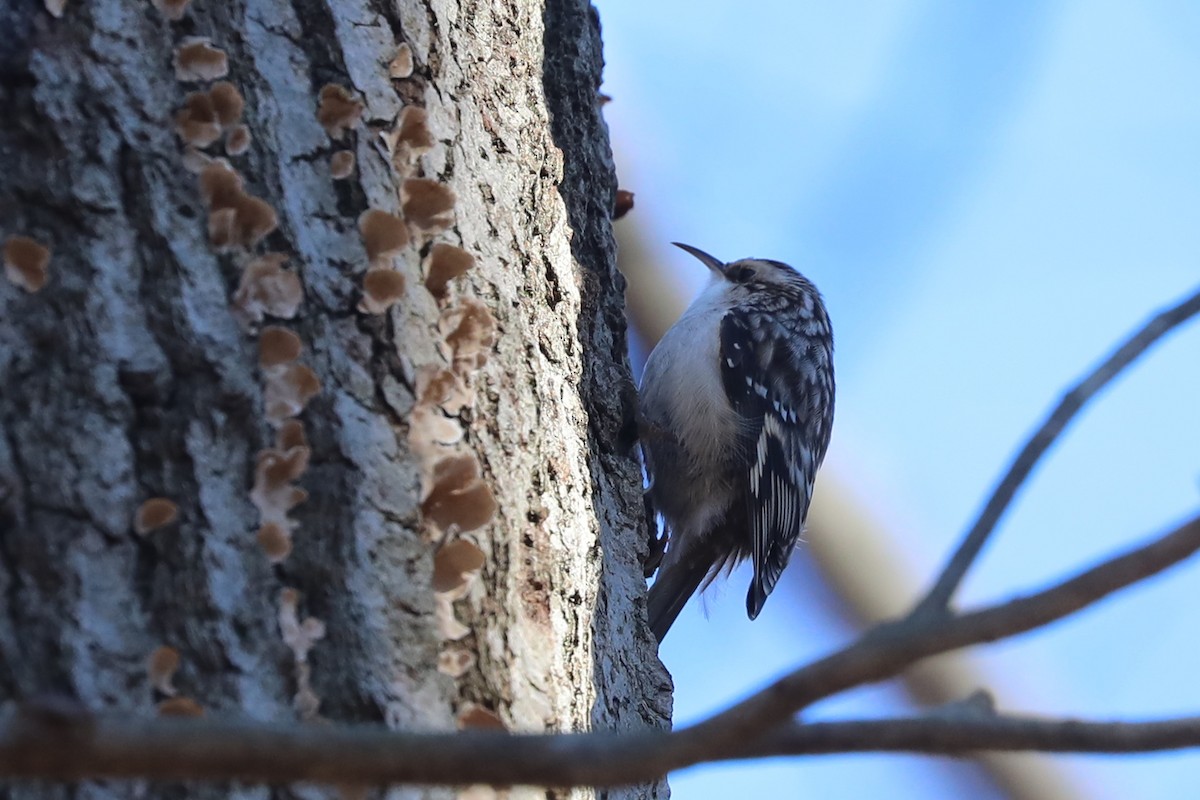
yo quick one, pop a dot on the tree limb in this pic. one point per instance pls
(891, 647)
(1072, 402)
(46, 742)
(960, 735)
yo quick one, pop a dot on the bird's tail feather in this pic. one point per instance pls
(676, 583)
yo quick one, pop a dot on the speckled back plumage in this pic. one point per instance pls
(736, 412)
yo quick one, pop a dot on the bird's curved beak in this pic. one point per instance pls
(715, 264)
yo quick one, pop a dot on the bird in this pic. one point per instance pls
(735, 411)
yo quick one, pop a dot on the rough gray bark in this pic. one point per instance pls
(128, 377)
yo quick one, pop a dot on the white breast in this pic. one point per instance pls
(682, 388)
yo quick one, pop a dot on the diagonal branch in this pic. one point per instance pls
(66, 745)
(891, 647)
(938, 598)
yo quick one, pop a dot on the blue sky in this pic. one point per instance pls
(989, 196)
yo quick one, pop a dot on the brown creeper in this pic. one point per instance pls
(736, 407)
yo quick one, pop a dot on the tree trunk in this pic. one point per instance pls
(480, 424)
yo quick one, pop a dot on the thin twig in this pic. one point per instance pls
(938, 598)
(65, 745)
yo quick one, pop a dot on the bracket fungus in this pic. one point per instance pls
(291, 434)
(155, 513)
(337, 110)
(455, 661)
(458, 498)
(26, 262)
(267, 288)
(273, 494)
(227, 103)
(277, 346)
(161, 666)
(382, 289)
(475, 716)
(401, 65)
(469, 332)
(428, 205)
(196, 59)
(288, 389)
(236, 218)
(443, 388)
(180, 707)
(445, 263)
(237, 141)
(300, 637)
(275, 541)
(341, 164)
(172, 10)
(383, 235)
(456, 566)
(412, 130)
(197, 123)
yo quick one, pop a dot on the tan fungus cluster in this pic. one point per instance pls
(408, 139)
(338, 110)
(288, 388)
(267, 289)
(161, 666)
(300, 637)
(237, 220)
(455, 497)
(275, 494)
(205, 116)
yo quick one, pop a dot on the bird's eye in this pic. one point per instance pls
(740, 274)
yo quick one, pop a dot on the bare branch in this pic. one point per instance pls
(938, 598)
(888, 649)
(212, 750)
(48, 742)
(965, 734)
